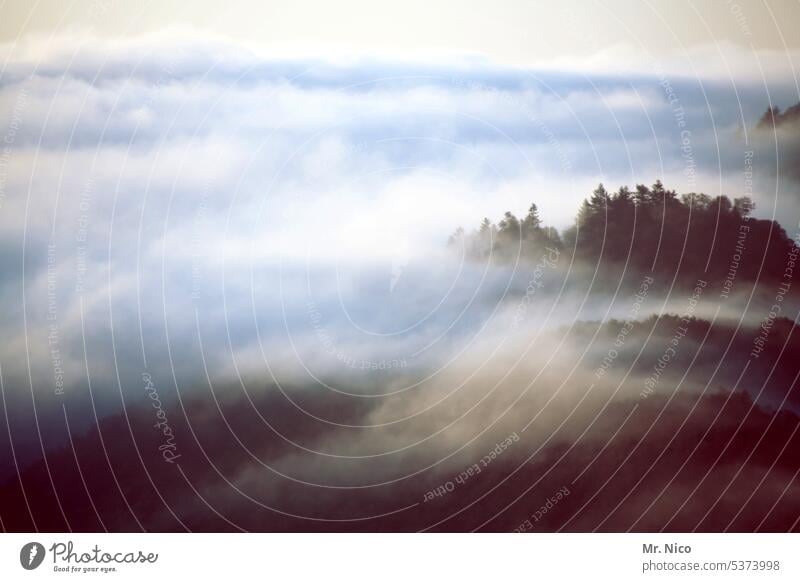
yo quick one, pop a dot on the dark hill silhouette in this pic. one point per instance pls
(647, 230)
(735, 446)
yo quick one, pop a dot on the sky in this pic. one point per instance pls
(512, 31)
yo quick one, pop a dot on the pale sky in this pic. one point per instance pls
(512, 31)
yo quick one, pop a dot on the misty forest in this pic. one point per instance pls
(246, 291)
(531, 426)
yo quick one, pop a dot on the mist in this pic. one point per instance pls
(255, 293)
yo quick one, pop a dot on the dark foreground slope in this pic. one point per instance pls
(710, 446)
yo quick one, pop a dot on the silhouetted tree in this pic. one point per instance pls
(531, 223)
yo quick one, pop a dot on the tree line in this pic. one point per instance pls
(647, 229)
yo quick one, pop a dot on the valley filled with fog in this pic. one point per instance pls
(251, 293)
